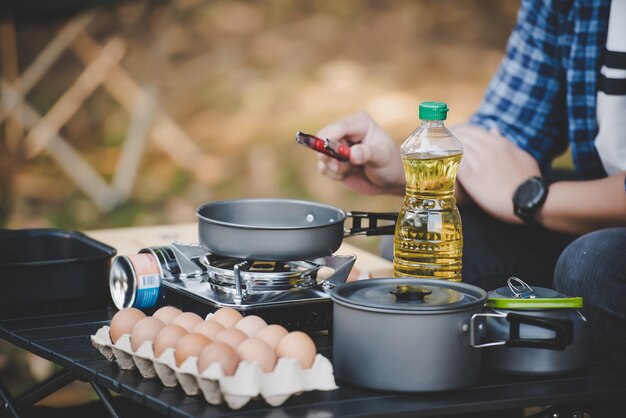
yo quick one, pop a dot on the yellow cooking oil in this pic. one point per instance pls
(428, 239)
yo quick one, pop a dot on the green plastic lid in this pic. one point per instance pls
(519, 295)
(539, 303)
(433, 111)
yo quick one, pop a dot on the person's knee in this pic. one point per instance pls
(590, 259)
(568, 269)
(594, 267)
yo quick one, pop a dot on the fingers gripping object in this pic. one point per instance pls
(325, 146)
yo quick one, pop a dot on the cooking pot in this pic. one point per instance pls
(414, 335)
(281, 229)
(405, 334)
(557, 330)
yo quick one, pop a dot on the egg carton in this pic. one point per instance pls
(247, 383)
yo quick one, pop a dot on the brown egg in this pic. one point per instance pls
(187, 320)
(219, 353)
(168, 337)
(272, 334)
(145, 329)
(190, 345)
(251, 325)
(227, 317)
(297, 345)
(254, 349)
(167, 314)
(209, 328)
(124, 321)
(231, 336)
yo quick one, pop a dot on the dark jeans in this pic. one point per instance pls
(592, 266)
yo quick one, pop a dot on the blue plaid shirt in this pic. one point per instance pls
(543, 97)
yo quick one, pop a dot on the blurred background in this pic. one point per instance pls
(127, 113)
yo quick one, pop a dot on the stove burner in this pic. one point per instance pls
(259, 276)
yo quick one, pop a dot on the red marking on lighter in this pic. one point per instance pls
(325, 146)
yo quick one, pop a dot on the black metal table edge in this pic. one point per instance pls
(403, 403)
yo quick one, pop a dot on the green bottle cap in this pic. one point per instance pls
(433, 111)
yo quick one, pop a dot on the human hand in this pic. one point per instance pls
(491, 169)
(375, 164)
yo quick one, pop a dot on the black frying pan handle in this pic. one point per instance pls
(372, 227)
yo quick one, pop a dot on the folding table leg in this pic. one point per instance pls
(55, 382)
(106, 399)
(8, 408)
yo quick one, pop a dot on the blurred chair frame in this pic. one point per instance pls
(102, 68)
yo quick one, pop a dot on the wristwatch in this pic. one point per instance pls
(528, 198)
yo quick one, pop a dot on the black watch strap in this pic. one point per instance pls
(529, 197)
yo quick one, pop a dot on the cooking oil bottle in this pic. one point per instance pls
(428, 241)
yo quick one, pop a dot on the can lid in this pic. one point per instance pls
(409, 295)
(433, 111)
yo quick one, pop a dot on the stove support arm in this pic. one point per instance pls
(237, 269)
(342, 265)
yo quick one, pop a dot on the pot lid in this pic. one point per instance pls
(519, 295)
(409, 295)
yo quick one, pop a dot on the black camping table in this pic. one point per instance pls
(64, 340)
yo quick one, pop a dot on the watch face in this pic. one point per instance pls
(530, 193)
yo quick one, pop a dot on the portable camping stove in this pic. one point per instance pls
(294, 294)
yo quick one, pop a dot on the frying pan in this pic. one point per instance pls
(281, 229)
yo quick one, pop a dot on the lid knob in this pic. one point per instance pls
(520, 289)
(407, 292)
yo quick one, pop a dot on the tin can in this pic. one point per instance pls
(135, 280)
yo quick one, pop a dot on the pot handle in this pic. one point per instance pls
(563, 328)
(372, 227)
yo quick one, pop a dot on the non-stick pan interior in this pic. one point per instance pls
(270, 213)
